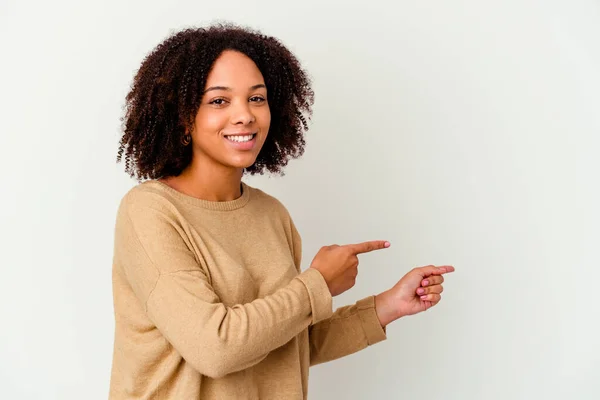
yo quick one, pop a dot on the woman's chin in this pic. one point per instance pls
(241, 162)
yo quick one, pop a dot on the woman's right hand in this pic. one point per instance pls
(339, 264)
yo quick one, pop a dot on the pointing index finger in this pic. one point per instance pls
(367, 247)
(432, 270)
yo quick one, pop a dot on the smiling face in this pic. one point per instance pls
(233, 119)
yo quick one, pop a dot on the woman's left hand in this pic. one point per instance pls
(417, 291)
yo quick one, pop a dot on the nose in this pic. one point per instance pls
(242, 114)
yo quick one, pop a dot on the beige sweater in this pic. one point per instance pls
(210, 301)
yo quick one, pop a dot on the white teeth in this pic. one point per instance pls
(245, 138)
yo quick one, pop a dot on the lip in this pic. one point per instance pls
(249, 145)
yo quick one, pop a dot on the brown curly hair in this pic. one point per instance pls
(167, 91)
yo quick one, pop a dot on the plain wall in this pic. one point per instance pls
(463, 132)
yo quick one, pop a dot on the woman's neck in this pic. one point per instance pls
(208, 182)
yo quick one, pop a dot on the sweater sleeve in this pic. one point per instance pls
(349, 330)
(164, 274)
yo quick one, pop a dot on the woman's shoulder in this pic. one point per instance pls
(147, 195)
(153, 194)
(150, 189)
(267, 201)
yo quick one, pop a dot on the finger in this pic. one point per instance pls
(436, 289)
(433, 297)
(366, 247)
(432, 280)
(431, 270)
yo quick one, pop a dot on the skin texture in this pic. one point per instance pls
(235, 101)
(417, 291)
(180, 137)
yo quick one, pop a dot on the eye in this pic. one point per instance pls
(217, 102)
(257, 99)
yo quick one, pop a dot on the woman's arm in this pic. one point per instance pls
(349, 330)
(179, 300)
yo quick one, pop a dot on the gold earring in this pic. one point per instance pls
(186, 139)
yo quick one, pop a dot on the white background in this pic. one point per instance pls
(464, 132)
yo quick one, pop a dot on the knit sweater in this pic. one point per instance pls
(210, 301)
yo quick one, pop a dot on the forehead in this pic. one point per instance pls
(234, 69)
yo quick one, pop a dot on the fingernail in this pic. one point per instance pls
(423, 297)
(387, 244)
(425, 282)
(420, 291)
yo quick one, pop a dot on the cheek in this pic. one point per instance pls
(264, 118)
(210, 121)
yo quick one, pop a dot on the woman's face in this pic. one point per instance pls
(233, 119)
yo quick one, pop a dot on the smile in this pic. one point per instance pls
(240, 138)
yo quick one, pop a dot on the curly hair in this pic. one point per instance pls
(167, 91)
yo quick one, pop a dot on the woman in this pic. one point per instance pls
(210, 301)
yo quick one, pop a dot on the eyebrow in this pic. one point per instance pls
(260, 85)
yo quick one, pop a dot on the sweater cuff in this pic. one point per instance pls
(374, 332)
(321, 302)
